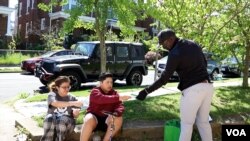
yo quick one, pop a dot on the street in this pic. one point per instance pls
(12, 84)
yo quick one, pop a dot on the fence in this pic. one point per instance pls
(15, 57)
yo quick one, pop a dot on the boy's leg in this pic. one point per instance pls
(117, 124)
(90, 123)
(48, 127)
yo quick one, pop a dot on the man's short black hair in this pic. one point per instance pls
(105, 75)
(165, 34)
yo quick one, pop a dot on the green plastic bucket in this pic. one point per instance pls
(172, 130)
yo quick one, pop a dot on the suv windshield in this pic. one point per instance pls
(84, 48)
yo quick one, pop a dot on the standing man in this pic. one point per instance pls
(186, 58)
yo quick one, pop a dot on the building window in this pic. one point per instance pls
(111, 14)
(73, 4)
(20, 9)
(32, 4)
(42, 23)
(70, 5)
(27, 30)
(27, 6)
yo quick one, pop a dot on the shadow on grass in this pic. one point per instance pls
(231, 76)
(153, 108)
(230, 101)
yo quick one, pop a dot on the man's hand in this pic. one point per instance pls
(142, 95)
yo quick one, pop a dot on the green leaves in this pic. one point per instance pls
(44, 7)
(221, 27)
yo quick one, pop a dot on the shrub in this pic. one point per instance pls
(3, 44)
(150, 57)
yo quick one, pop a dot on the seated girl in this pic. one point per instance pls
(103, 99)
(62, 109)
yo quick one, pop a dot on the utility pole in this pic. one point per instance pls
(157, 51)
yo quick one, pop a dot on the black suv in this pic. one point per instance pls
(124, 60)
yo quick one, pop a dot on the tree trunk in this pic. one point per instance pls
(101, 38)
(103, 53)
(246, 66)
(100, 27)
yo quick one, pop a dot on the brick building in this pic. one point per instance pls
(5, 19)
(32, 21)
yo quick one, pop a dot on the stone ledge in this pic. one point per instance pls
(131, 130)
(30, 125)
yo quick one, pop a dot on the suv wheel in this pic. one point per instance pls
(214, 73)
(75, 79)
(43, 82)
(134, 78)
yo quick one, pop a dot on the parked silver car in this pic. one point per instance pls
(213, 67)
(230, 67)
(161, 64)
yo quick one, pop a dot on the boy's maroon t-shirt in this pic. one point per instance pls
(100, 101)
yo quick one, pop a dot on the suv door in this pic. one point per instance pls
(121, 58)
(110, 58)
(110, 65)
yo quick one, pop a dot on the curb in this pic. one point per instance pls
(4, 69)
(34, 131)
(1, 71)
(145, 130)
(151, 130)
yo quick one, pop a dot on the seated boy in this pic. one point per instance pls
(103, 99)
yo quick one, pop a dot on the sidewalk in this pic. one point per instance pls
(8, 116)
(39, 108)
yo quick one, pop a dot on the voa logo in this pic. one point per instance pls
(236, 132)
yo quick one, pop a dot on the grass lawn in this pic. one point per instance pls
(12, 58)
(229, 101)
(226, 101)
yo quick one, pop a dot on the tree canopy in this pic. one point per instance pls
(221, 27)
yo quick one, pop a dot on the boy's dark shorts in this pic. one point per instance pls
(101, 125)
